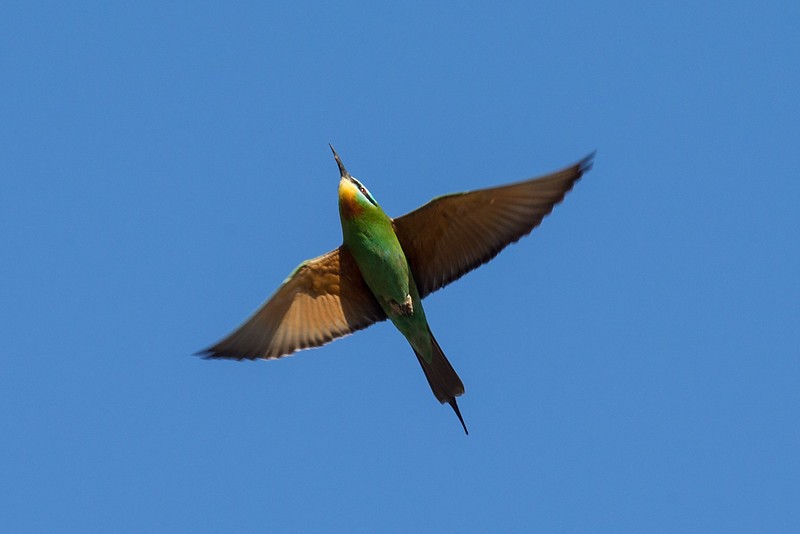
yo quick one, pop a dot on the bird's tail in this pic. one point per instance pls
(444, 382)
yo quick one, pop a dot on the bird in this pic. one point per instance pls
(385, 267)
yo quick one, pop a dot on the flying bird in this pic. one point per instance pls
(385, 267)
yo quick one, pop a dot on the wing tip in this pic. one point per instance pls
(219, 353)
(211, 354)
(585, 165)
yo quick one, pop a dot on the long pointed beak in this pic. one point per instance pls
(342, 171)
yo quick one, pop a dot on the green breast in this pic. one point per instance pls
(374, 245)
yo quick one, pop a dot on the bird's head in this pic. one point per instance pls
(354, 198)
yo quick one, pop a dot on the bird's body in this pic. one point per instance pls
(369, 235)
(385, 267)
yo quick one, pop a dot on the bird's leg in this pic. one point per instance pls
(406, 308)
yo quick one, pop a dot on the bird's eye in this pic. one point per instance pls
(366, 193)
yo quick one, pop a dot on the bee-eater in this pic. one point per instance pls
(385, 267)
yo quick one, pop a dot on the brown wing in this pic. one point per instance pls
(321, 300)
(453, 234)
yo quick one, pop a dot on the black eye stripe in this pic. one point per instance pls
(364, 192)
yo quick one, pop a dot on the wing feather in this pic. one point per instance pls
(323, 299)
(453, 234)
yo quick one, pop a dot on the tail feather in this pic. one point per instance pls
(444, 382)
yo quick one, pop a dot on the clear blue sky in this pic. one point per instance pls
(632, 366)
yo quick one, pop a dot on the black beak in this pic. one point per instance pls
(342, 171)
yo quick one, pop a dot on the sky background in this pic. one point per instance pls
(632, 366)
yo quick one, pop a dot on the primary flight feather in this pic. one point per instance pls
(385, 267)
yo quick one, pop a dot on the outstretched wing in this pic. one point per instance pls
(453, 234)
(321, 300)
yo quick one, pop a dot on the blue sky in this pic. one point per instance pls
(632, 366)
